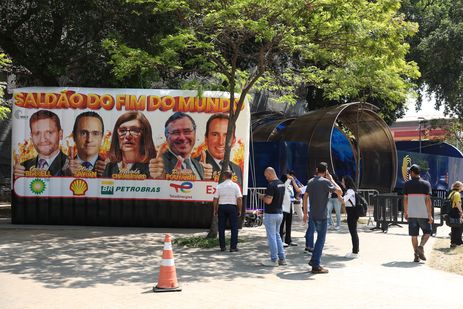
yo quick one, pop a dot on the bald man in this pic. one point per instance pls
(273, 216)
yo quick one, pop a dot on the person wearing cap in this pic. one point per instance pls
(227, 205)
(418, 210)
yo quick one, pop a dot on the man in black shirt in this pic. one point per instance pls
(273, 215)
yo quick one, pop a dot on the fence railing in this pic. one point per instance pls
(368, 195)
(388, 211)
(253, 201)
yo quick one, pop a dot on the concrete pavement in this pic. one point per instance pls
(111, 267)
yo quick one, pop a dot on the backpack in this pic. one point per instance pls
(447, 205)
(361, 205)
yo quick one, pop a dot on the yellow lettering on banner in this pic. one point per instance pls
(224, 105)
(167, 103)
(212, 104)
(93, 101)
(30, 100)
(186, 104)
(50, 99)
(154, 102)
(62, 101)
(200, 104)
(137, 104)
(107, 102)
(76, 100)
(19, 99)
(121, 100)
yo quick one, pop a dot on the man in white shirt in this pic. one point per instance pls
(227, 205)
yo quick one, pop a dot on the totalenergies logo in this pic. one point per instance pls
(185, 187)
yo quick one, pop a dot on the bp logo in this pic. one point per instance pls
(37, 186)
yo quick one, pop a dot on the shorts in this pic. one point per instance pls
(414, 225)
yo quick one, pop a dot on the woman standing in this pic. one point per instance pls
(455, 198)
(352, 217)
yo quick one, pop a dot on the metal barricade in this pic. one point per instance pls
(254, 207)
(388, 211)
(368, 195)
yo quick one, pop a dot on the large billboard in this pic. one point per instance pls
(124, 143)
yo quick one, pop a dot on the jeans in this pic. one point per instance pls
(352, 219)
(272, 224)
(228, 211)
(309, 235)
(320, 227)
(334, 203)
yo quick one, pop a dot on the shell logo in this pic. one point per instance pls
(78, 187)
(406, 163)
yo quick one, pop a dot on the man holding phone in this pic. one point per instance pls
(318, 189)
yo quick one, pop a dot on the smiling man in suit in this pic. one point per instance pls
(176, 162)
(46, 134)
(216, 133)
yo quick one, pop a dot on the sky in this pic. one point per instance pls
(427, 111)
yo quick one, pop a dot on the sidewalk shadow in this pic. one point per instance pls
(80, 258)
(402, 264)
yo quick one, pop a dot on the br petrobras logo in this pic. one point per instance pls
(185, 187)
(107, 187)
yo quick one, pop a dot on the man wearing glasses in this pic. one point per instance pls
(46, 134)
(88, 134)
(176, 163)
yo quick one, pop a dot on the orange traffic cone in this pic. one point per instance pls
(167, 281)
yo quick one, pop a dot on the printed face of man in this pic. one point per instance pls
(45, 137)
(88, 137)
(130, 134)
(216, 136)
(181, 136)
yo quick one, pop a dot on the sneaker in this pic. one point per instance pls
(293, 244)
(453, 245)
(416, 259)
(282, 262)
(234, 250)
(337, 228)
(319, 270)
(308, 250)
(269, 263)
(420, 252)
(351, 255)
(285, 245)
(223, 249)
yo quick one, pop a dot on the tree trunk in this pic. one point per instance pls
(214, 228)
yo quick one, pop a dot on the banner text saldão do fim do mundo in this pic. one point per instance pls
(124, 143)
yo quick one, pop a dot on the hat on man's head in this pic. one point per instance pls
(415, 168)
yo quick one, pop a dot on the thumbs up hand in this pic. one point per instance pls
(100, 166)
(206, 167)
(156, 165)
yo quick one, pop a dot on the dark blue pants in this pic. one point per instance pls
(229, 212)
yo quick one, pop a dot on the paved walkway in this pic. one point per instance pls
(97, 267)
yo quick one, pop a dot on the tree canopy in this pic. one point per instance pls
(59, 42)
(349, 50)
(4, 109)
(438, 50)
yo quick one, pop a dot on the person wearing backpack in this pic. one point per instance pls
(455, 198)
(352, 215)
